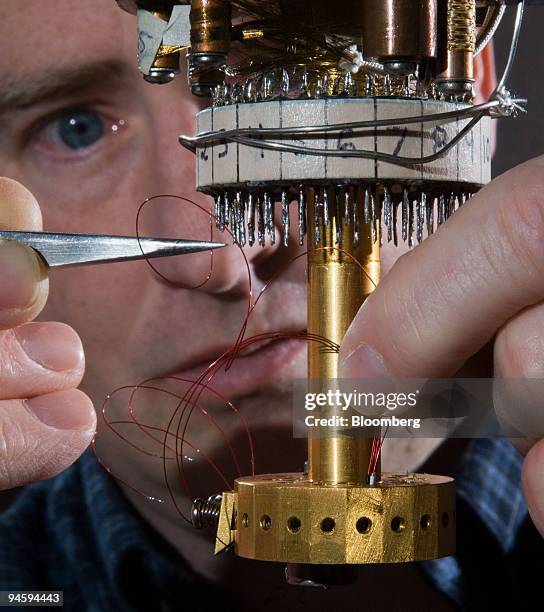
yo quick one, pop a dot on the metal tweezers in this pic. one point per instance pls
(58, 249)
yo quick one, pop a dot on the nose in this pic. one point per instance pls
(189, 214)
(261, 263)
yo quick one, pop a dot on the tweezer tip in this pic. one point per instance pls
(216, 245)
(200, 246)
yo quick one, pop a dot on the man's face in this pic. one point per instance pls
(92, 140)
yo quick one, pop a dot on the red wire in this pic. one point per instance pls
(177, 427)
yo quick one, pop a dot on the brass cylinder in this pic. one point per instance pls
(210, 27)
(210, 44)
(337, 286)
(399, 29)
(458, 74)
(461, 39)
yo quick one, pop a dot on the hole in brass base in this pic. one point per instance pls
(265, 522)
(327, 525)
(425, 521)
(293, 524)
(398, 524)
(363, 525)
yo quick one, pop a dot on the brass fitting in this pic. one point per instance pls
(286, 518)
(210, 43)
(340, 277)
(399, 29)
(458, 76)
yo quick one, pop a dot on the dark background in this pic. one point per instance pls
(521, 138)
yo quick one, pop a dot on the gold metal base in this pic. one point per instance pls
(289, 519)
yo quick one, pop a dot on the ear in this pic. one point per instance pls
(486, 81)
(485, 74)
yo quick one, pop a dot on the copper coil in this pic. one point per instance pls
(461, 25)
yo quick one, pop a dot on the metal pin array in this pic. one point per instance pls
(299, 82)
(250, 215)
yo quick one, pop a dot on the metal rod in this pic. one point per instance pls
(337, 286)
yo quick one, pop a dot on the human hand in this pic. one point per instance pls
(479, 280)
(45, 422)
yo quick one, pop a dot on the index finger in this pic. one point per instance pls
(446, 299)
(23, 278)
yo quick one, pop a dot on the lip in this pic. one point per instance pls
(250, 372)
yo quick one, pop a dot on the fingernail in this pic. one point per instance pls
(68, 410)
(363, 362)
(54, 346)
(19, 275)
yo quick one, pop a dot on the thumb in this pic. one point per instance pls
(533, 484)
(43, 436)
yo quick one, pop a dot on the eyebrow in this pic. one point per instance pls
(22, 94)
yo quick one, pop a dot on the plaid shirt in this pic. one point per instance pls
(77, 532)
(488, 480)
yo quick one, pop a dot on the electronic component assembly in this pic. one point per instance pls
(342, 126)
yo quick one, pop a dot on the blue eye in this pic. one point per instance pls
(77, 129)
